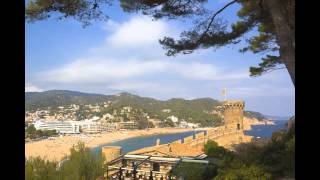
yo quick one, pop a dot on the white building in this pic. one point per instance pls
(183, 124)
(89, 126)
(166, 110)
(95, 118)
(193, 125)
(127, 108)
(173, 119)
(107, 116)
(63, 127)
(111, 127)
(127, 125)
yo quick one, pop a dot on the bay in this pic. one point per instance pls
(131, 144)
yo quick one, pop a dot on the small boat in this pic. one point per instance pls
(258, 137)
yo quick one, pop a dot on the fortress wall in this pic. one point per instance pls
(178, 141)
(233, 138)
(188, 139)
(212, 133)
(200, 135)
(216, 133)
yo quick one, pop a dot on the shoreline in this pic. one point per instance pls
(249, 122)
(59, 147)
(55, 149)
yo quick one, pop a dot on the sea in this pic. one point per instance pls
(265, 131)
(131, 144)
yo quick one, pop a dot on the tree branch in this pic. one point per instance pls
(214, 15)
(270, 70)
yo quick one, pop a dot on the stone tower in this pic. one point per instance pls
(233, 114)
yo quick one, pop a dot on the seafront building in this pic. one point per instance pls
(62, 127)
(90, 126)
(111, 126)
(127, 125)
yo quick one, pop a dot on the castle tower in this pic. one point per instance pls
(233, 114)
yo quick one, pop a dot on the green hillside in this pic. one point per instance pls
(195, 111)
(55, 98)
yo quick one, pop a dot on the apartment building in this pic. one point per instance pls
(62, 127)
(127, 125)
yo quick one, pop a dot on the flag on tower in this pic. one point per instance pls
(224, 93)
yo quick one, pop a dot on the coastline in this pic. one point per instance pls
(59, 147)
(248, 122)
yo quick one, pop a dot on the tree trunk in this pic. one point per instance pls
(283, 16)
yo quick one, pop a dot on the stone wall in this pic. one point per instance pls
(188, 139)
(200, 135)
(231, 139)
(178, 141)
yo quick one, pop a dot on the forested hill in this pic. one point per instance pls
(55, 98)
(199, 108)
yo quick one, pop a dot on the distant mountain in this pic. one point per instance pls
(252, 114)
(195, 110)
(55, 98)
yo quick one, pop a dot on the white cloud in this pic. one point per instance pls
(139, 31)
(261, 91)
(203, 71)
(98, 70)
(110, 25)
(32, 88)
(102, 70)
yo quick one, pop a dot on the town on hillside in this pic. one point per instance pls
(98, 118)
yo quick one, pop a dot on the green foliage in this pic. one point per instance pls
(31, 129)
(190, 171)
(232, 166)
(56, 98)
(271, 160)
(82, 165)
(190, 110)
(32, 133)
(252, 114)
(142, 122)
(277, 156)
(168, 123)
(193, 111)
(82, 10)
(243, 172)
(40, 169)
(213, 150)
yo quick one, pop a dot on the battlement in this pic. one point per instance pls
(233, 104)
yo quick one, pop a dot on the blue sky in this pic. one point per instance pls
(123, 54)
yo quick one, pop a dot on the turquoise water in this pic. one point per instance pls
(132, 144)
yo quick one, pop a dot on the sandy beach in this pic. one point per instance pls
(57, 148)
